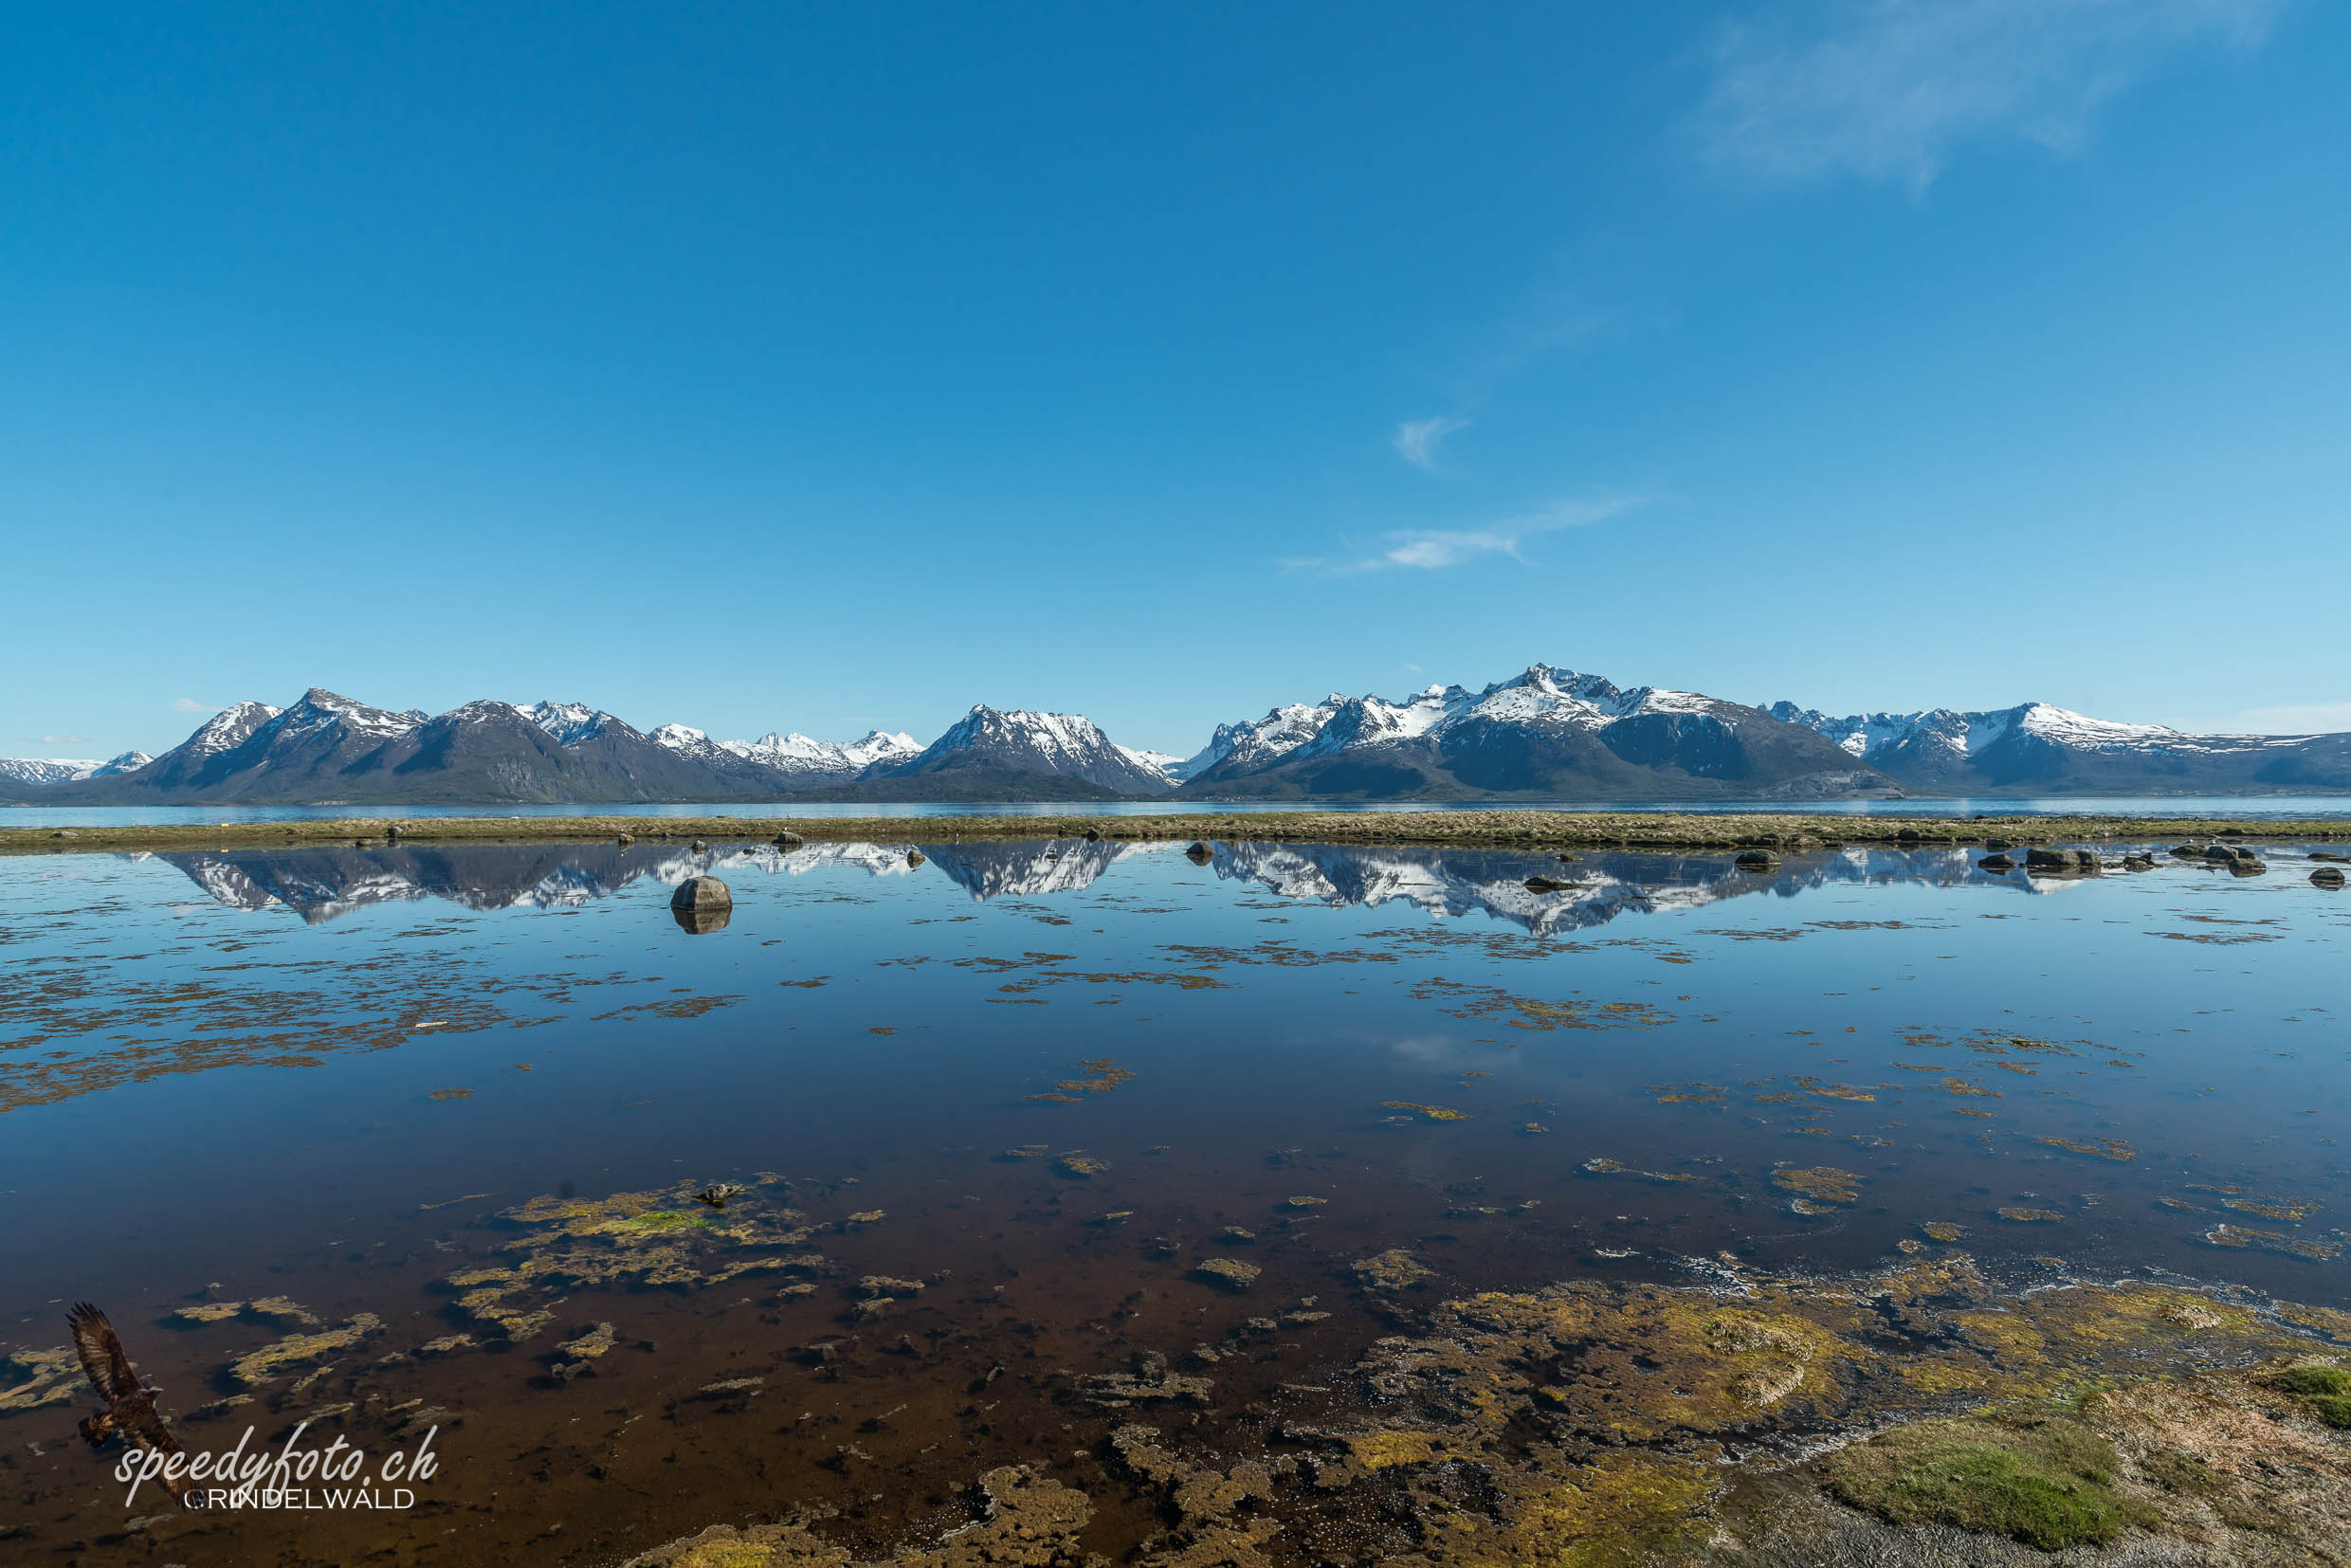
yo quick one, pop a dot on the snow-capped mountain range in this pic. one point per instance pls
(1546, 733)
(2039, 746)
(67, 769)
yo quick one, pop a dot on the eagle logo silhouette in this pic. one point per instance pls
(130, 1413)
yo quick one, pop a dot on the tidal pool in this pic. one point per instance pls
(1025, 1135)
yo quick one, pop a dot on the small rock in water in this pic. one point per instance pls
(699, 848)
(1547, 884)
(2329, 877)
(1200, 854)
(1996, 863)
(1093, 835)
(788, 839)
(2065, 861)
(914, 858)
(1229, 1272)
(1759, 860)
(625, 840)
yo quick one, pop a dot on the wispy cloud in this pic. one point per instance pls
(1891, 89)
(1417, 440)
(61, 739)
(189, 704)
(1431, 549)
(2296, 718)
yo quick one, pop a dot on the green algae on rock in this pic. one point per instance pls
(644, 1238)
(1821, 1184)
(1428, 1113)
(268, 1362)
(1231, 1273)
(1393, 1269)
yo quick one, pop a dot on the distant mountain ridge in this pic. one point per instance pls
(1547, 734)
(1544, 734)
(2038, 748)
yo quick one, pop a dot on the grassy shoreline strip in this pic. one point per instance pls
(1498, 829)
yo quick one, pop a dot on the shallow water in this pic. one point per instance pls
(324, 1074)
(2243, 808)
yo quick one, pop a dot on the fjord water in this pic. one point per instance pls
(1048, 1081)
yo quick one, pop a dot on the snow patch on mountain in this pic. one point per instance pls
(1543, 697)
(319, 710)
(1065, 745)
(229, 728)
(1162, 764)
(800, 753)
(569, 723)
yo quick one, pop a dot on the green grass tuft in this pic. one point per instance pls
(2049, 1484)
(2316, 1379)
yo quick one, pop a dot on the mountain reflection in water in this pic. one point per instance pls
(320, 884)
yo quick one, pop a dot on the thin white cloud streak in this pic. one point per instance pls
(1433, 549)
(2294, 718)
(1891, 89)
(1417, 440)
(61, 740)
(189, 704)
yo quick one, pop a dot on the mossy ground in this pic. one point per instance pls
(2049, 1482)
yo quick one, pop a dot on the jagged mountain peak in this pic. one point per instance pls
(231, 727)
(1013, 743)
(568, 723)
(318, 708)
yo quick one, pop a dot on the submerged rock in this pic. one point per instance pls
(1758, 860)
(1547, 884)
(1200, 854)
(1231, 1273)
(1996, 863)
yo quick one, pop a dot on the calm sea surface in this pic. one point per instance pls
(461, 1096)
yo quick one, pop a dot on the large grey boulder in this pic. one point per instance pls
(701, 894)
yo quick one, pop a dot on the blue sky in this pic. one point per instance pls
(826, 367)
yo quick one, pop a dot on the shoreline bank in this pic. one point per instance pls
(1499, 830)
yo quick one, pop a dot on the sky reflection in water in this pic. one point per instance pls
(281, 1051)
